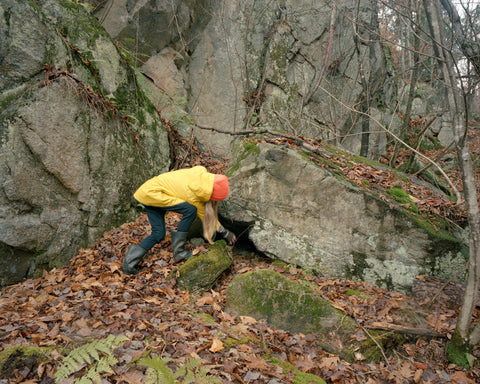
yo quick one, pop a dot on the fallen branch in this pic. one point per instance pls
(241, 133)
(376, 342)
(403, 329)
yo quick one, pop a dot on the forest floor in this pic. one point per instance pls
(91, 298)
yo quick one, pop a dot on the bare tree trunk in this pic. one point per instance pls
(412, 90)
(461, 345)
(371, 82)
(471, 51)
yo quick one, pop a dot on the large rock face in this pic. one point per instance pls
(236, 64)
(244, 63)
(76, 135)
(306, 215)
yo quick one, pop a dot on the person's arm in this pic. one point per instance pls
(227, 235)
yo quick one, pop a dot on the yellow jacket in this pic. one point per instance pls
(193, 185)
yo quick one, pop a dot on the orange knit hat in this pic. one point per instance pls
(220, 188)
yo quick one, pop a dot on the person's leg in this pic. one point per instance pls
(131, 260)
(135, 253)
(179, 237)
(188, 212)
(156, 217)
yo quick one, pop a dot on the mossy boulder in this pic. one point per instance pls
(199, 273)
(289, 305)
(21, 358)
(294, 306)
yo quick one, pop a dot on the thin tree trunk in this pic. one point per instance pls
(469, 49)
(457, 108)
(370, 84)
(411, 93)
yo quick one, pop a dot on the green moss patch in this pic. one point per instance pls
(232, 342)
(401, 196)
(459, 352)
(299, 376)
(199, 273)
(243, 150)
(358, 293)
(279, 264)
(20, 358)
(205, 318)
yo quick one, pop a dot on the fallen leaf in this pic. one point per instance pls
(54, 331)
(418, 375)
(206, 299)
(227, 317)
(406, 370)
(329, 362)
(217, 345)
(305, 363)
(359, 356)
(460, 377)
(255, 362)
(247, 320)
(66, 317)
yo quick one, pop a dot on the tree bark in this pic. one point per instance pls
(370, 82)
(463, 339)
(471, 51)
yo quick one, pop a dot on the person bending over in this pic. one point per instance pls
(190, 192)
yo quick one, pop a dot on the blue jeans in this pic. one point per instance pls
(156, 217)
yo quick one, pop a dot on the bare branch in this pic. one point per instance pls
(452, 186)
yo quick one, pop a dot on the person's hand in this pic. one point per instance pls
(227, 235)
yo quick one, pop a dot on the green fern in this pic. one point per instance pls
(193, 371)
(157, 370)
(97, 356)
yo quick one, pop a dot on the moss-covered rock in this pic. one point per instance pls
(199, 273)
(20, 358)
(286, 304)
(293, 306)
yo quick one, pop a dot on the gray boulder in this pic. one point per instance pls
(307, 215)
(77, 135)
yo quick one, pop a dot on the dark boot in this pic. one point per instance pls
(178, 242)
(132, 259)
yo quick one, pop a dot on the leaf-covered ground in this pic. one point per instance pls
(91, 298)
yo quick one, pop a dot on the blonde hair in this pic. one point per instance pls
(210, 220)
